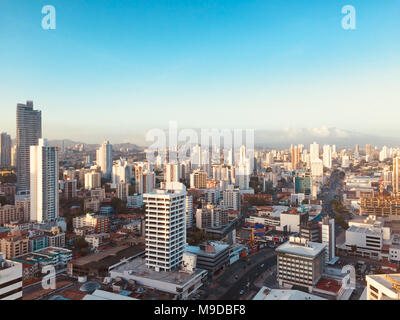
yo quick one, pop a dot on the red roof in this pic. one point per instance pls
(330, 285)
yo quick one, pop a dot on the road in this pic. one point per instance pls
(235, 277)
(331, 191)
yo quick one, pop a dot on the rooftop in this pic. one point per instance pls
(311, 250)
(266, 293)
(137, 267)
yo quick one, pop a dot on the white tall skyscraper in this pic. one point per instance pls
(121, 172)
(165, 227)
(104, 159)
(29, 131)
(5, 150)
(327, 156)
(314, 151)
(44, 182)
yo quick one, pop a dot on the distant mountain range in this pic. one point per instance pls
(91, 147)
(278, 139)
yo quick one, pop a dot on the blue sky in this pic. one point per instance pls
(113, 69)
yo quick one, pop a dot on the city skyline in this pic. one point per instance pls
(249, 65)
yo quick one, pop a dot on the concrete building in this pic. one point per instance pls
(266, 293)
(211, 256)
(189, 212)
(231, 198)
(328, 237)
(29, 131)
(44, 182)
(10, 279)
(383, 287)
(165, 227)
(211, 217)
(181, 284)
(198, 179)
(121, 172)
(92, 180)
(300, 262)
(101, 224)
(5, 150)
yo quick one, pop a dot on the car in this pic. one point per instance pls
(241, 292)
(262, 266)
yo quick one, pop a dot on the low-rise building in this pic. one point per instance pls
(10, 279)
(383, 287)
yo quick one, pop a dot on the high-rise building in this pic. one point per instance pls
(295, 156)
(14, 156)
(314, 151)
(328, 237)
(327, 156)
(5, 150)
(231, 198)
(44, 182)
(368, 150)
(396, 175)
(189, 212)
(29, 131)
(198, 179)
(92, 180)
(104, 159)
(121, 172)
(172, 172)
(165, 227)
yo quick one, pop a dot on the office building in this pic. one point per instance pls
(29, 131)
(300, 262)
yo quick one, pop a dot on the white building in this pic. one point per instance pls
(104, 159)
(231, 198)
(314, 152)
(189, 211)
(327, 156)
(172, 172)
(367, 237)
(44, 182)
(92, 180)
(383, 287)
(300, 262)
(328, 237)
(121, 172)
(10, 279)
(165, 227)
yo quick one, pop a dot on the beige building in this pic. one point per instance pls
(15, 244)
(383, 287)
